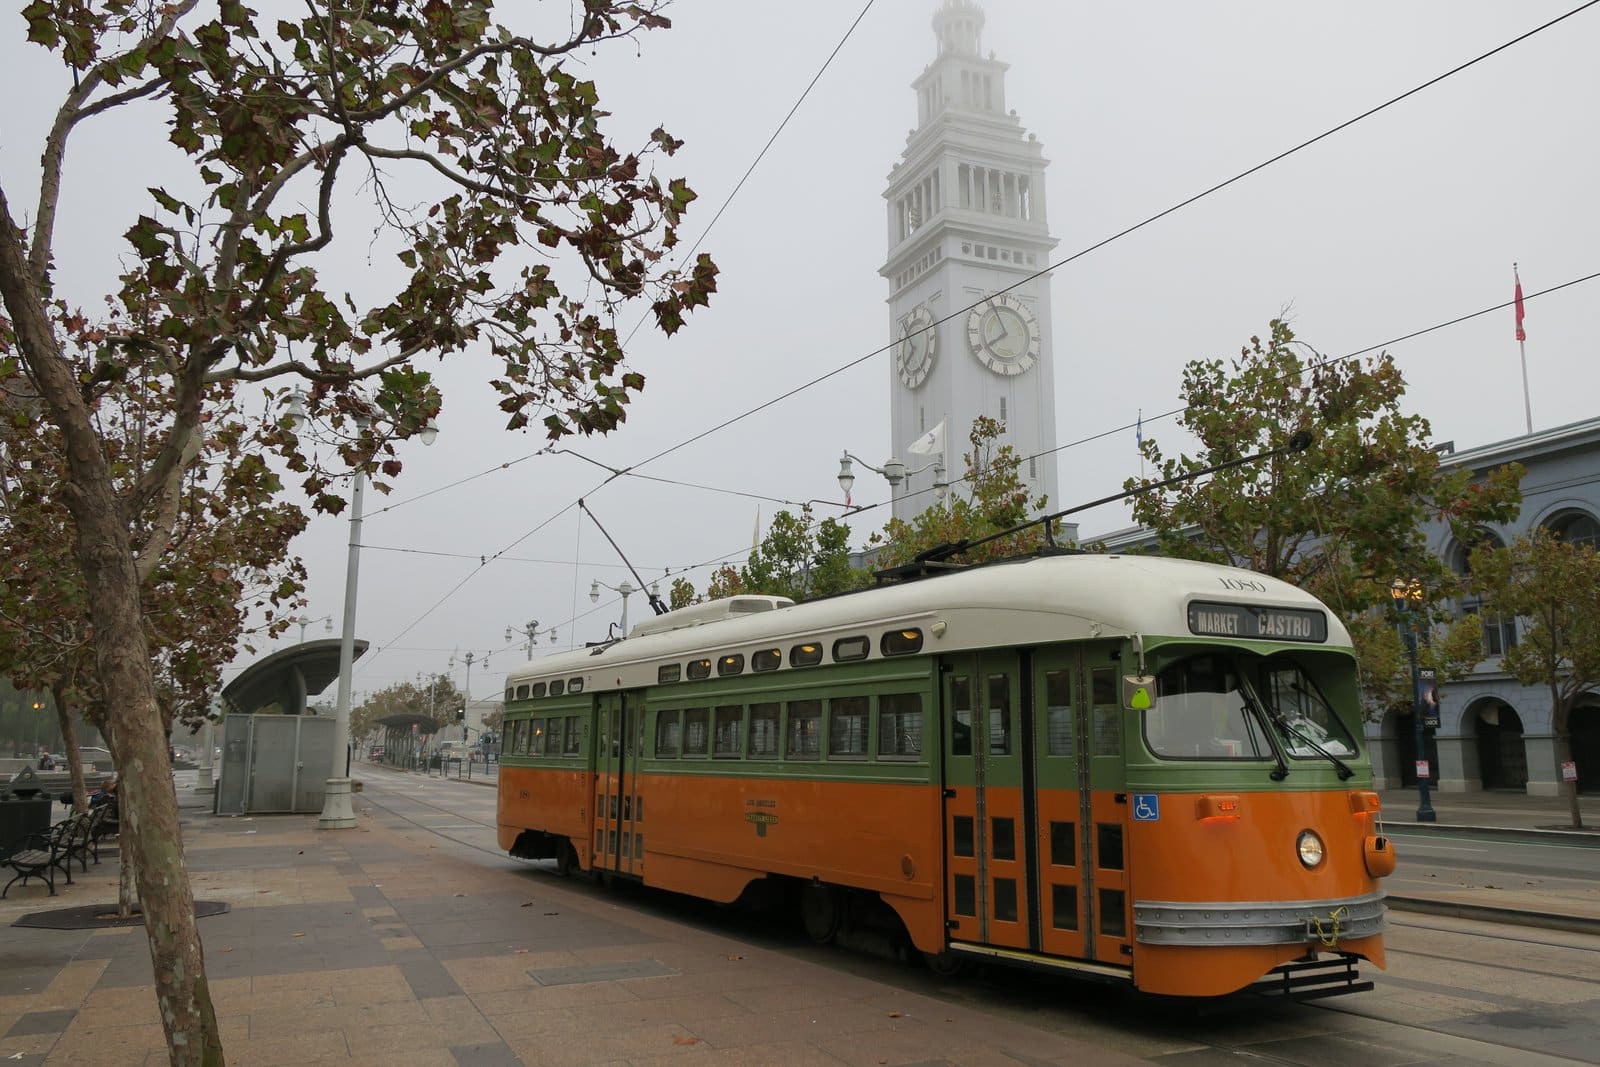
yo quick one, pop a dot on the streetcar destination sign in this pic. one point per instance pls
(1248, 620)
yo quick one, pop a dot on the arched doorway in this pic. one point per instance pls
(1404, 730)
(1584, 725)
(1502, 757)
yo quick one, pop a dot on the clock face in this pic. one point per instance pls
(913, 353)
(1004, 335)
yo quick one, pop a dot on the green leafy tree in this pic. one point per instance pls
(520, 230)
(800, 558)
(1340, 519)
(995, 498)
(435, 697)
(681, 595)
(1344, 517)
(1554, 587)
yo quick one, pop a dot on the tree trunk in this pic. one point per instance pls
(69, 740)
(127, 885)
(148, 805)
(1563, 717)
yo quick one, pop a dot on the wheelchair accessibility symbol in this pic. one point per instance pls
(1146, 807)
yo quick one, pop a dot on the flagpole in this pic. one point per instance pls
(1522, 351)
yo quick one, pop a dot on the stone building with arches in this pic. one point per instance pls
(1495, 733)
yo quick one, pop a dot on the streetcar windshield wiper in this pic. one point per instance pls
(1287, 727)
(1251, 704)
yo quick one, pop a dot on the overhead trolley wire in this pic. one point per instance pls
(1180, 205)
(1219, 186)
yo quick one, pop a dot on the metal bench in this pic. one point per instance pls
(41, 855)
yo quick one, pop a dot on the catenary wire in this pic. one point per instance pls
(1045, 270)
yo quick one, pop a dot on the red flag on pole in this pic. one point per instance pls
(1521, 334)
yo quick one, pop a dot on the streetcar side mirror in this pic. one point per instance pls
(1138, 691)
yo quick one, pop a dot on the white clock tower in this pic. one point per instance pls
(967, 226)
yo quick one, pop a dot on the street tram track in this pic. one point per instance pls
(1018, 994)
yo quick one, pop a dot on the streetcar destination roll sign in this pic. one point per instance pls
(1210, 619)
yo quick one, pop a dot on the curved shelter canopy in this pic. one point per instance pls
(286, 678)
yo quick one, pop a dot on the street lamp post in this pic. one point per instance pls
(1402, 593)
(303, 622)
(894, 472)
(530, 634)
(337, 811)
(626, 589)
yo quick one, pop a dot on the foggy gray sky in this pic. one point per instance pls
(1410, 218)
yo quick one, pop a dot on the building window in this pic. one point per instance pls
(1576, 528)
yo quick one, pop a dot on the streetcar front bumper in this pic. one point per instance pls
(1306, 922)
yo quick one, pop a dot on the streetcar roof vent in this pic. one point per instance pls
(710, 611)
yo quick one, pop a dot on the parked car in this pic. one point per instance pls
(375, 752)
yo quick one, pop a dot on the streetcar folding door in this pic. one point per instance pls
(1077, 762)
(619, 808)
(986, 841)
(1034, 819)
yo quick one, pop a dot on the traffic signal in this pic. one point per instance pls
(461, 714)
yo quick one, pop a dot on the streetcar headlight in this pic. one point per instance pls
(1309, 846)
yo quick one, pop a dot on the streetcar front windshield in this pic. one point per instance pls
(1303, 717)
(1201, 712)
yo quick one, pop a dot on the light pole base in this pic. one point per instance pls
(204, 784)
(337, 812)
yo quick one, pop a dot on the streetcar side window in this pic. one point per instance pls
(694, 730)
(900, 726)
(960, 715)
(847, 727)
(767, 659)
(574, 735)
(522, 692)
(537, 690)
(728, 722)
(1058, 711)
(999, 714)
(668, 732)
(1202, 712)
(851, 648)
(730, 665)
(536, 737)
(901, 642)
(804, 736)
(668, 673)
(698, 669)
(1107, 712)
(513, 739)
(763, 731)
(557, 688)
(510, 693)
(555, 736)
(807, 655)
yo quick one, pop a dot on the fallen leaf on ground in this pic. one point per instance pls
(682, 1039)
(897, 1015)
(529, 904)
(298, 933)
(520, 951)
(736, 957)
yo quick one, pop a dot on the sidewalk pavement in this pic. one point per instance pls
(387, 944)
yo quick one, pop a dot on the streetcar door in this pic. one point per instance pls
(1082, 804)
(986, 838)
(619, 810)
(1062, 801)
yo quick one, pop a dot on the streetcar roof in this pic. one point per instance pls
(1014, 603)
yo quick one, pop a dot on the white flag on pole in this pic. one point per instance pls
(929, 443)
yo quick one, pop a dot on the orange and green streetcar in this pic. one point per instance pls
(1139, 768)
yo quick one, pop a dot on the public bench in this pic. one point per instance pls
(41, 855)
